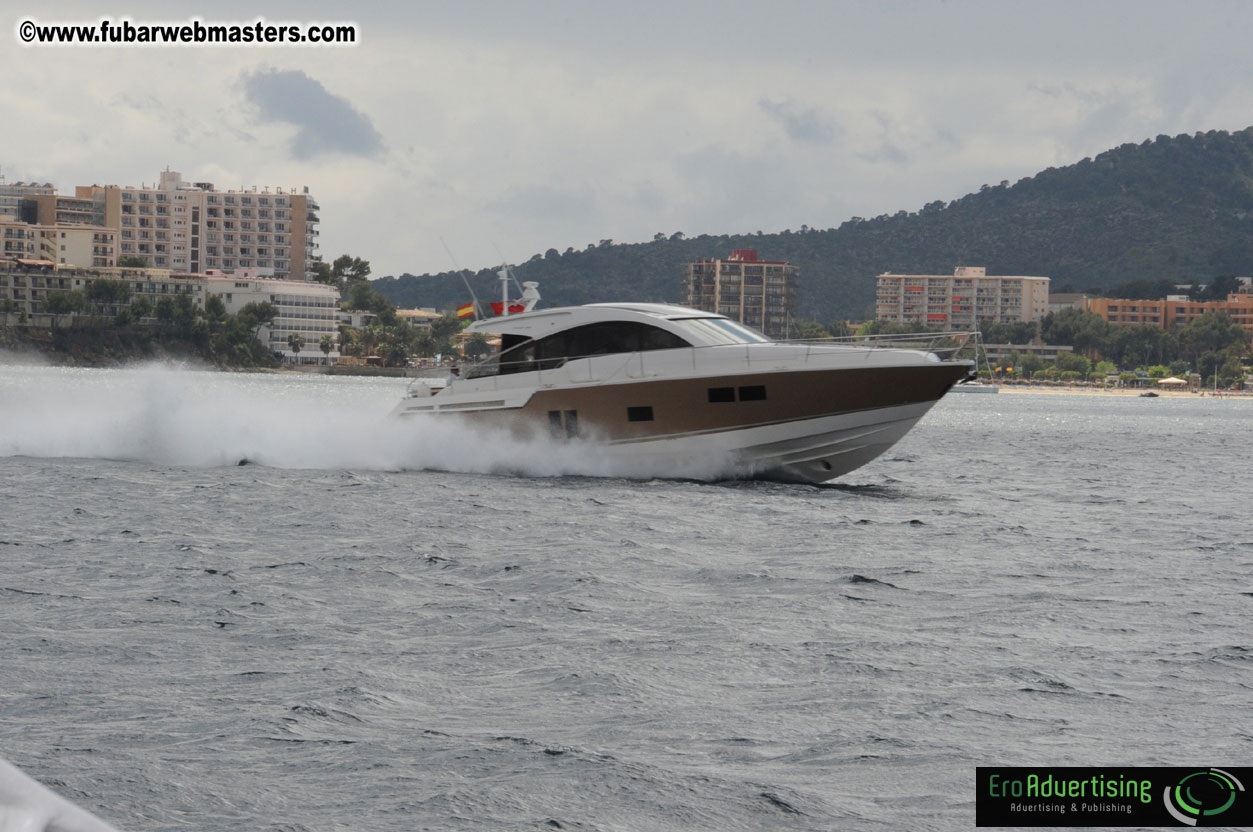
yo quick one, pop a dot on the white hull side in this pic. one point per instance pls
(808, 450)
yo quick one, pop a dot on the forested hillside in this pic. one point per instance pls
(1179, 209)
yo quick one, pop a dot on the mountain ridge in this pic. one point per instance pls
(1177, 208)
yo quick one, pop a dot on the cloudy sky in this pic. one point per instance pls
(471, 131)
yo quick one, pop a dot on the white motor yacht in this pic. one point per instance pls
(670, 382)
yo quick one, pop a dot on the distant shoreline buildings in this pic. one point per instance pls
(188, 228)
(1171, 312)
(970, 297)
(250, 245)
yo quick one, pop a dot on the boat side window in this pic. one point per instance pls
(516, 355)
(605, 338)
(640, 414)
(519, 354)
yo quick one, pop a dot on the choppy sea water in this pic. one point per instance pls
(364, 630)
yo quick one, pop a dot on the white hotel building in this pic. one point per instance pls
(310, 309)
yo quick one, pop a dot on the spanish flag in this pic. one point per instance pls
(466, 311)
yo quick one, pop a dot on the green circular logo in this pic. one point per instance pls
(1199, 798)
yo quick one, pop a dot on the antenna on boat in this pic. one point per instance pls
(504, 291)
(460, 271)
(504, 264)
(529, 293)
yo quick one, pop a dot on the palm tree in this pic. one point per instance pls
(370, 339)
(297, 343)
(424, 344)
(326, 345)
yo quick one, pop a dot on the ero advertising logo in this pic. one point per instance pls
(1035, 796)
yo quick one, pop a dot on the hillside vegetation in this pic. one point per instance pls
(1177, 209)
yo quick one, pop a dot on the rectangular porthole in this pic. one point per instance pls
(754, 393)
(639, 414)
(721, 394)
(572, 422)
(554, 423)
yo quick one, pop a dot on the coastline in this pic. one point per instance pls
(1129, 392)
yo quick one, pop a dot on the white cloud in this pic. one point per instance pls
(502, 129)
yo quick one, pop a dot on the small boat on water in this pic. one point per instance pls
(669, 382)
(976, 387)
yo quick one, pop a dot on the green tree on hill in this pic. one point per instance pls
(214, 310)
(107, 294)
(64, 303)
(342, 273)
(1137, 346)
(141, 308)
(1085, 331)
(256, 315)
(1214, 331)
(1217, 289)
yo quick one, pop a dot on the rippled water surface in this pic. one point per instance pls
(369, 630)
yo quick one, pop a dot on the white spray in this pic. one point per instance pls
(180, 417)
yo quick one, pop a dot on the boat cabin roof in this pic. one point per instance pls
(678, 320)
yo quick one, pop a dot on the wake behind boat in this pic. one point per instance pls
(669, 382)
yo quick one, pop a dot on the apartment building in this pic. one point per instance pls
(1172, 312)
(1067, 300)
(306, 308)
(961, 300)
(757, 293)
(21, 241)
(190, 227)
(12, 196)
(29, 286)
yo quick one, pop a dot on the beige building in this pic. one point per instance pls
(758, 293)
(1067, 300)
(191, 227)
(960, 300)
(12, 196)
(418, 318)
(85, 245)
(69, 244)
(19, 240)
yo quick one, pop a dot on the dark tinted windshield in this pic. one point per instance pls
(604, 338)
(607, 338)
(714, 331)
